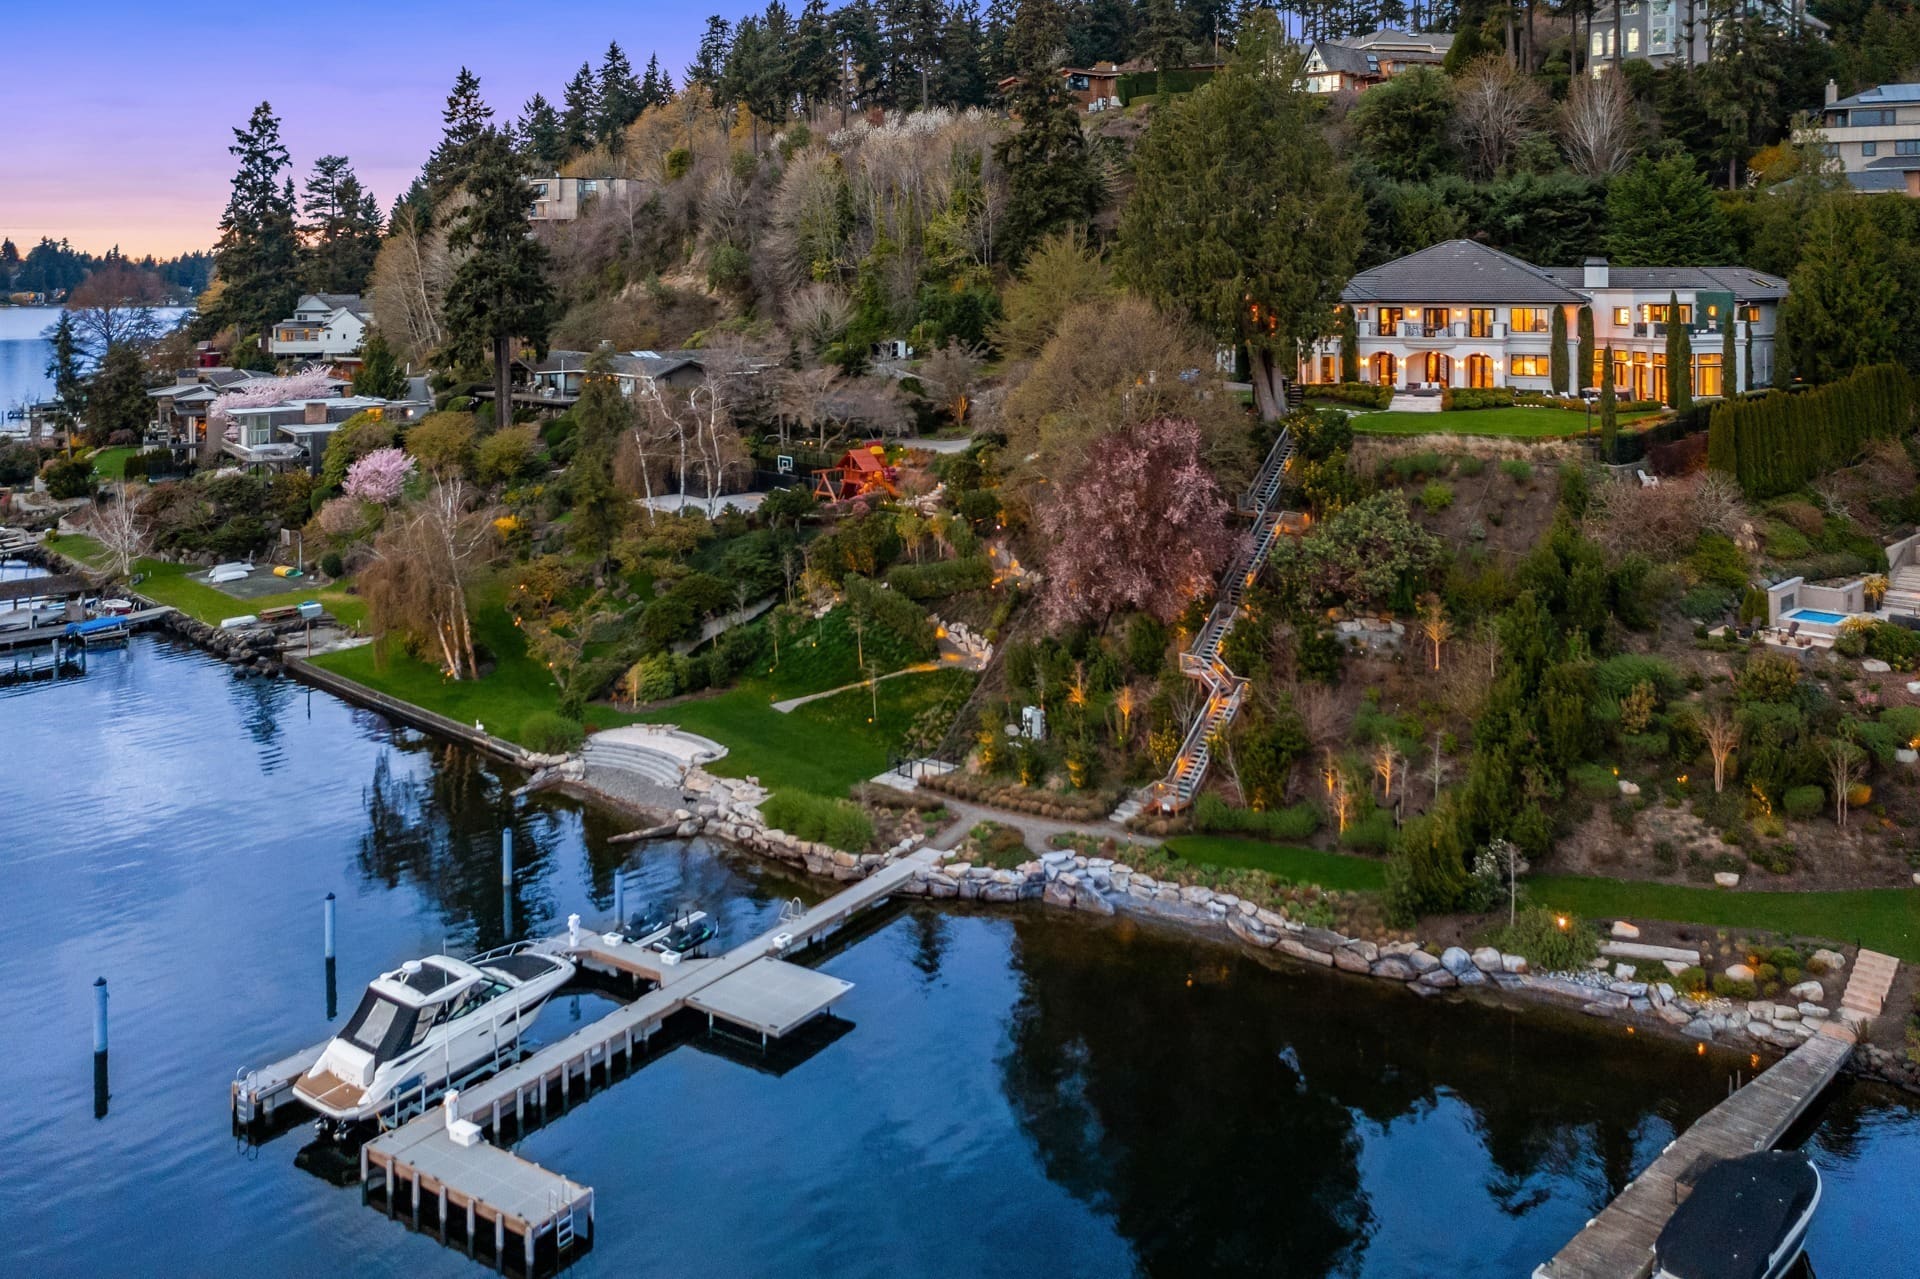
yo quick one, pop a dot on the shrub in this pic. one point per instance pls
(551, 733)
(1469, 466)
(332, 565)
(1596, 781)
(1362, 393)
(1465, 397)
(1777, 859)
(1374, 831)
(1212, 815)
(1551, 941)
(835, 822)
(507, 454)
(1517, 469)
(1727, 988)
(1691, 981)
(68, 479)
(1437, 496)
(1859, 795)
(941, 578)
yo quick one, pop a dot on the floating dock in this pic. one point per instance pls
(56, 631)
(418, 1162)
(1618, 1244)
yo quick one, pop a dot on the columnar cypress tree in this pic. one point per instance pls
(1679, 358)
(1349, 346)
(1723, 453)
(1729, 369)
(1609, 414)
(1557, 355)
(1583, 375)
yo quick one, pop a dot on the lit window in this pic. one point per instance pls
(1620, 317)
(1633, 39)
(1529, 319)
(1530, 366)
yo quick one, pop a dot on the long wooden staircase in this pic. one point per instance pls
(1202, 660)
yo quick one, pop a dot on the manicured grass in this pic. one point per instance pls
(1514, 423)
(1884, 919)
(167, 583)
(823, 747)
(1338, 872)
(111, 464)
(77, 546)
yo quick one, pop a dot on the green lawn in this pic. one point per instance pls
(165, 582)
(824, 746)
(1885, 919)
(111, 464)
(1514, 423)
(1338, 872)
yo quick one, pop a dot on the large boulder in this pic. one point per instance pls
(1739, 972)
(1422, 961)
(1808, 991)
(1456, 960)
(1487, 959)
(1392, 967)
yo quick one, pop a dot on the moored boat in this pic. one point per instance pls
(1746, 1218)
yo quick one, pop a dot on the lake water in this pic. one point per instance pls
(24, 354)
(1020, 1093)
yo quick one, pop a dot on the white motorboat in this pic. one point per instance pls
(430, 1024)
(1746, 1218)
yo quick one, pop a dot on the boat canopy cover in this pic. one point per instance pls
(523, 967)
(1738, 1214)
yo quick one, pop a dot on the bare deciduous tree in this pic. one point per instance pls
(410, 279)
(416, 586)
(950, 373)
(122, 530)
(817, 316)
(1497, 112)
(1722, 734)
(1599, 128)
(1435, 625)
(1843, 769)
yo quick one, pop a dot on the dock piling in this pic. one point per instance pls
(327, 923)
(101, 1093)
(619, 902)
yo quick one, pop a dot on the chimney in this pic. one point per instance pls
(1913, 183)
(1833, 92)
(314, 413)
(1594, 272)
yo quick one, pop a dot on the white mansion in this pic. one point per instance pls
(1463, 315)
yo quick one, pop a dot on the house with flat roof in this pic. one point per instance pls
(1461, 314)
(295, 432)
(558, 199)
(1359, 62)
(1873, 136)
(324, 326)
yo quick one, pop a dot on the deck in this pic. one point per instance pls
(1618, 1244)
(31, 635)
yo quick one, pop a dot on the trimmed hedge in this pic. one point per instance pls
(1776, 442)
(1141, 84)
(1467, 397)
(1365, 394)
(821, 820)
(941, 578)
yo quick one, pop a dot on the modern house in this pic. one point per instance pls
(180, 408)
(1874, 136)
(1664, 32)
(324, 326)
(295, 432)
(1108, 86)
(1360, 62)
(556, 382)
(1461, 314)
(557, 199)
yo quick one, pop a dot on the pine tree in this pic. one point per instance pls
(1842, 299)
(1662, 213)
(258, 253)
(1557, 354)
(1166, 40)
(709, 64)
(342, 228)
(63, 370)
(960, 77)
(379, 373)
(541, 135)
(619, 96)
(859, 41)
(117, 393)
(1584, 374)
(499, 292)
(1609, 411)
(465, 118)
(816, 68)
(1349, 346)
(1679, 358)
(580, 111)
(655, 87)
(1052, 178)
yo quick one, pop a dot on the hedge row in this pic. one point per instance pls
(817, 818)
(1365, 394)
(1777, 442)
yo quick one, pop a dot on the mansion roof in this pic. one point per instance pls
(1463, 271)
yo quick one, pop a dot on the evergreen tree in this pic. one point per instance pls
(598, 506)
(117, 393)
(655, 86)
(258, 253)
(379, 373)
(857, 34)
(580, 111)
(1349, 346)
(960, 77)
(1609, 411)
(63, 369)
(342, 228)
(1557, 353)
(619, 98)
(499, 292)
(1729, 367)
(1838, 315)
(996, 42)
(1166, 40)
(1052, 177)
(1662, 213)
(708, 68)
(816, 67)
(1584, 371)
(913, 47)
(542, 135)
(464, 119)
(1679, 358)
(1241, 216)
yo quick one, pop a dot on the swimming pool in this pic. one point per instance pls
(1815, 615)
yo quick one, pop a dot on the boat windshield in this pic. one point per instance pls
(379, 1026)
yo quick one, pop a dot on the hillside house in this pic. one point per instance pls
(1461, 314)
(324, 326)
(1359, 62)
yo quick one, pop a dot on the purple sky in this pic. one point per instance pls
(116, 116)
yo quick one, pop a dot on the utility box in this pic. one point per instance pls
(1033, 723)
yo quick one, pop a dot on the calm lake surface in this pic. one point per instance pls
(1019, 1094)
(24, 353)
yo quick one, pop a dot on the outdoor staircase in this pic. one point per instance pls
(1202, 660)
(1866, 992)
(1903, 591)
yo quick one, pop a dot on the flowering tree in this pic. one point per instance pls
(309, 384)
(1141, 525)
(416, 586)
(380, 476)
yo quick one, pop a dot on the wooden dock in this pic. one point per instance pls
(418, 1163)
(1618, 1244)
(31, 635)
